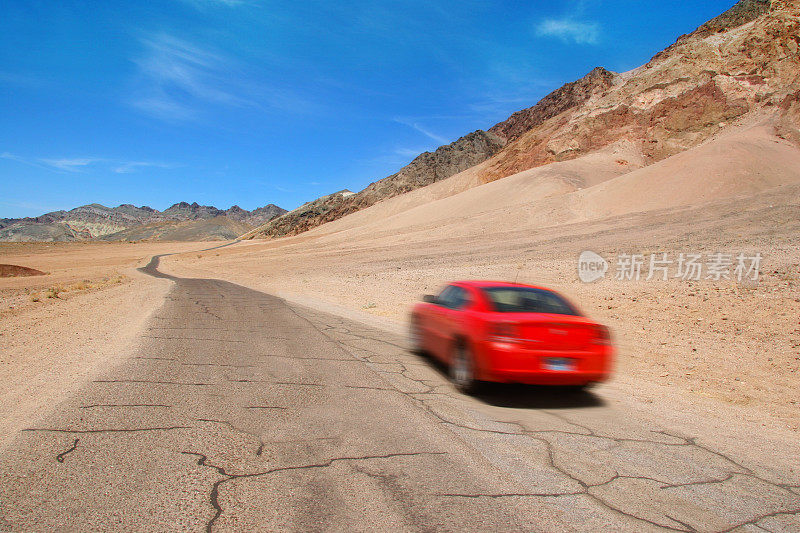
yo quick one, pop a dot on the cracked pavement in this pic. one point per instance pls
(242, 412)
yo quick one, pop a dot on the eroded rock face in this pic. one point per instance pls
(680, 98)
(193, 211)
(427, 168)
(567, 97)
(260, 215)
(743, 12)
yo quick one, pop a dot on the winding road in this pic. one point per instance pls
(242, 412)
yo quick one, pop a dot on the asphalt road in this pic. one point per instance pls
(242, 412)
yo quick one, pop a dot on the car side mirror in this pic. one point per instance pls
(429, 298)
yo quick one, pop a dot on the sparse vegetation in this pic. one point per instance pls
(81, 285)
(57, 291)
(53, 292)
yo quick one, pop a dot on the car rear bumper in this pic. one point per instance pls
(511, 363)
(546, 377)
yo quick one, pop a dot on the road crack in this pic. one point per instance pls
(60, 457)
(107, 430)
(227, 476)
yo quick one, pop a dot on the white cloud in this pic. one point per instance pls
(176, 75)
(426, 132)
(70, 164)
(18, 159)
(128, 167)
(570, 30)
(178, 80)
(408, 152)
(77, 164)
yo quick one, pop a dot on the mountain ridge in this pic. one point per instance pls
(94, 221)
(425, 169)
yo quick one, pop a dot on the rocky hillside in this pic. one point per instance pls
(742, 13)
(739, 64)
(567, 97)
(201, 229)
(427, 168)
(744, 62)
(98, 221)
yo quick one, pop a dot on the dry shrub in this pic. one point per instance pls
(53, 292)
(81, 285)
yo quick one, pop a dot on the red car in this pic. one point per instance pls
(510, 333)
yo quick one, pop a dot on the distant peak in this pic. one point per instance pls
(741, 13)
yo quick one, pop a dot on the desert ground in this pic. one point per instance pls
(716, 360)
(732, 347)
(59, 329)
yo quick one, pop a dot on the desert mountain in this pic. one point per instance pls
(128, 222)
(742, 62)
(427, 168)
(737, 75)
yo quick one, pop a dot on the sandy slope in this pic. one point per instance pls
(589, 188)
(456, 198)
(734, 344)
(743, 162)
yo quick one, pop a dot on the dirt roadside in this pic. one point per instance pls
(50, 346)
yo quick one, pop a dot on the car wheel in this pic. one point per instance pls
(462, 369)
(415, 336)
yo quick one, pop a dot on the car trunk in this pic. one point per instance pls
(554, 332)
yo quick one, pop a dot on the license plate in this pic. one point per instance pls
(559, 364)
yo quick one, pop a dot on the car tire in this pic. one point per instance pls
(462, 369)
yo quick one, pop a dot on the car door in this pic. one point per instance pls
(436, 331)
(452, 321)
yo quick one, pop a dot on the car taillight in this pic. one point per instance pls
(503, 332)
(602, 335)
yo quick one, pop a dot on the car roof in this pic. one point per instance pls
(484, 284)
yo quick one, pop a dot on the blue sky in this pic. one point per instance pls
(252, 102)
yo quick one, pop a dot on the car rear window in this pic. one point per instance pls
(453, 297)
(528, 300)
